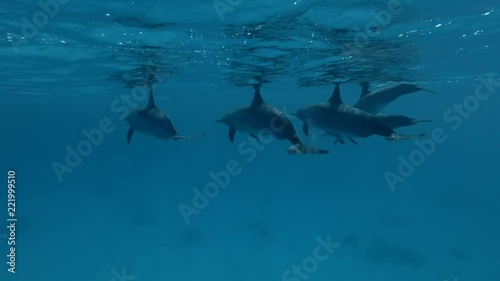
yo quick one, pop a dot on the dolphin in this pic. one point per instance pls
(375, 101)
(260, 117)
(344, 121)
(393, 121)
(151, 120)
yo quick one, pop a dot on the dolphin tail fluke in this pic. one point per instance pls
(188, 137)
(300, 148)
(397, 137)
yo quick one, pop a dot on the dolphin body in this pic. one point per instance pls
(344, 121)
(151, 120)
(259, 117)
(375, 101)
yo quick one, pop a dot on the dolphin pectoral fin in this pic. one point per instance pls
(129, 134)
(338, 139)
(232, 131)
(396, 137)
(305, 128)
(353, 141)
(255, 137)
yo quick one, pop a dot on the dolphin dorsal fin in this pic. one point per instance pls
(257, 98)
(365, 89)
(151, 102)
(335, 98)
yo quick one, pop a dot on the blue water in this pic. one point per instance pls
(114, 213)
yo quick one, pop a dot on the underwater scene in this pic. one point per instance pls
(236, 140)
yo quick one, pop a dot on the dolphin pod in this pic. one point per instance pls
(259, 117)
(343, 121)
(333, 117)
(375, 101)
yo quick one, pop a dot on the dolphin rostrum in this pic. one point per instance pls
(151, 120)
(259, 117)
(398, 121)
